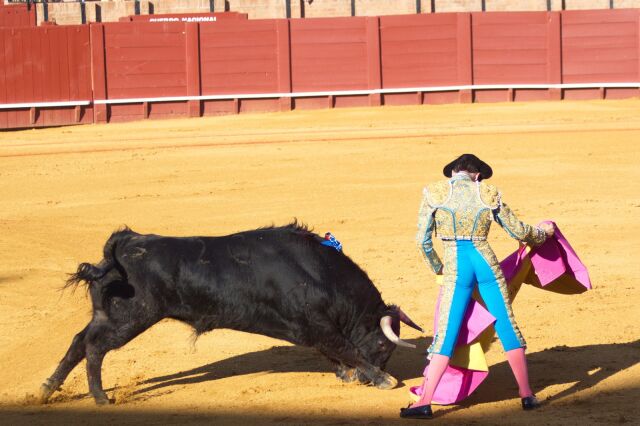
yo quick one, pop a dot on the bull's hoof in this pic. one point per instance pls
(103, 400)
(347, 375)
(362, 377)
(46, 390)
(386, 382)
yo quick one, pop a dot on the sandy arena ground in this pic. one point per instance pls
(359, 174)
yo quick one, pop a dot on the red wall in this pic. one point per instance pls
(600, 47)
(18, 15)
(425, 50)
(228, 59)
(44, 64)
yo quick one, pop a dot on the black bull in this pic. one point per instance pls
(279, 282)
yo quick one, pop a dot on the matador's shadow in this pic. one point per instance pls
(584, 366)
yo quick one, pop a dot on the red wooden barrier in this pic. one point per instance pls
(601, 46)
(136, 70)
(329, 55)
(145, 60)
(239, 57)
(42, 66)
(424, 50)
(18, 15)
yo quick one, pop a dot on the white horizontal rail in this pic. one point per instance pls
(44, 104)
(428, 89)
(371, 92)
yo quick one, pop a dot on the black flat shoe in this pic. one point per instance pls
(422, 412)
(530, 403)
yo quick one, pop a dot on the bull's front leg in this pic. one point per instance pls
(338, 348)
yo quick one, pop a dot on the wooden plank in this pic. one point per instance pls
(587, 54)
(146, 39)
(418, 20)
(509, 30)
(606, 29)
(341, 23)
(601, 42)
(411, 34)
(3, 70)
(511, 57)
(98, 75)
(192, 60)
(148, 81)
(442, 48)
(145, 67)
(240, 39)
(283, 32)
(515, 18)
(554, 59)
(625, 67)
(510, 74)
(597, 16)
(509, 43)
(145, 92)
(374, 65)
(240, 84)
(112, 28)
(426, 63)
(143, 53)
(465, 51)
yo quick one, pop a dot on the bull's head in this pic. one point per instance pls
(380, 343)
(391, 328)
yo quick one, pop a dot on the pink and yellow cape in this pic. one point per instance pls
(552, 266)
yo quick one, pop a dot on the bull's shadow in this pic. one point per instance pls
(584, 366)
(404, 364)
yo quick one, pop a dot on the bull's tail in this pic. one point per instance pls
(90, 274)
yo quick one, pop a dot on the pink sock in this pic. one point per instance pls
(518, 364)
(437, 366)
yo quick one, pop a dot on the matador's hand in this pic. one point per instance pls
(548, 228)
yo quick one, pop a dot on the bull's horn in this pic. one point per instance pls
(385, 325)
(405, 319)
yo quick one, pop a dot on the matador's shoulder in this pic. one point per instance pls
(437, 193)
(490, 195)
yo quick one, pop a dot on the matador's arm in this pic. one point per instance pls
(426, 226)
(518, 230)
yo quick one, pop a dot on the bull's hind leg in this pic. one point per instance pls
(106, 334)
(74, 355)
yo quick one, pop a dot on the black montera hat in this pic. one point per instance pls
(470, 163)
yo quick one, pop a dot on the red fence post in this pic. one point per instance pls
(374, 59)
(465, 56)
(283, 51)
(554, 53)
(192, 45)
(98, 72)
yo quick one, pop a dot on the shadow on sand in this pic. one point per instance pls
(584, 366)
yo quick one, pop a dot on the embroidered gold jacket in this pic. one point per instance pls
(461, 209)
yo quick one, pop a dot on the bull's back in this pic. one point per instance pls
(272, 281)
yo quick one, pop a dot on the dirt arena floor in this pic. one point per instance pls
(359, 174)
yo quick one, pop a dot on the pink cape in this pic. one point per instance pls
(552, 266)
